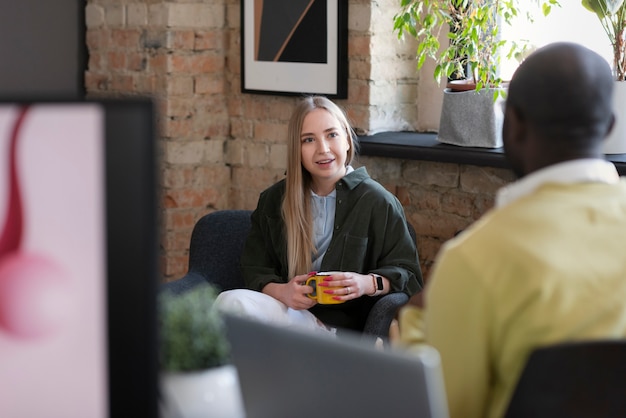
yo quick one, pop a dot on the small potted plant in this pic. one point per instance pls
(470, 61)
(612, 16)
(196, 374)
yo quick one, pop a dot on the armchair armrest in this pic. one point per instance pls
(185, 283)
(382, 313)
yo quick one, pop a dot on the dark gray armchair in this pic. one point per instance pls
(577, 379)
(216, 244)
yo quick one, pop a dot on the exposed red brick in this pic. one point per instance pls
(96, 82)
(122, 83)
(125, 38)
(175, 266)
(95, 61)
(403, 195)
(182, 39)
(209, 40)
(179, 219)
(116, 60)
(96, 39)
(136, 61)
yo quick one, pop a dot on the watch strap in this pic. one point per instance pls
(378, 283)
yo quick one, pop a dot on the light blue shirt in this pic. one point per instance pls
(323, 208)
(323, 211)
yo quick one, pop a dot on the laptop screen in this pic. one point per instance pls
(286, 372)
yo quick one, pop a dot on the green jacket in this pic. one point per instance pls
(370, 235)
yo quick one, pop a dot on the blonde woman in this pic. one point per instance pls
(324, 216)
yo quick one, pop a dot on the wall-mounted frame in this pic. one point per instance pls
(294, 47)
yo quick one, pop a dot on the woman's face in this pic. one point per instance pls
(324, 148)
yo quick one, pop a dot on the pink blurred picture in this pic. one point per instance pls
(53, 351)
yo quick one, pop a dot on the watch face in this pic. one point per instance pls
(379, 283)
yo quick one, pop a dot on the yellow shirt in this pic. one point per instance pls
(548, 267)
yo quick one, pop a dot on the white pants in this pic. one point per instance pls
(262, 307)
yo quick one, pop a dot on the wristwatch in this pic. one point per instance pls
(378, 283)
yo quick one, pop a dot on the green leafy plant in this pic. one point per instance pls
(192, 331)
(474, 45)
(612, 16)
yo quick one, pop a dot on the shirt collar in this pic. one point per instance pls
(577, 171)
(354, 177)
(332, 194)
(349, 169)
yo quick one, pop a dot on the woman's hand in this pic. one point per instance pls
(293, 294)
(353, 285)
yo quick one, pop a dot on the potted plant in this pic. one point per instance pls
(470, 61)
(612, 16)
(196, 374)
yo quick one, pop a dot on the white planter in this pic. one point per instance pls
(471, 119)
(616, 142)
(212, 393)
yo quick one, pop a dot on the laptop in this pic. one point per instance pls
(286, 372)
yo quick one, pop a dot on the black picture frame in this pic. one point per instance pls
(294, 47)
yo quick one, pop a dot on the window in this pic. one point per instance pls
(571, 22)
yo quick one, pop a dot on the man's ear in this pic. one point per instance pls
(516, 124)
(611, 126)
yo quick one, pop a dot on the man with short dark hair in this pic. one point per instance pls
(547, 264)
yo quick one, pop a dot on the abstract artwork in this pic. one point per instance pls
(294, 47)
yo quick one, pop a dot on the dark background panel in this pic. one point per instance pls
(42, 48)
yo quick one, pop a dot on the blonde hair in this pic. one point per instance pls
(296, 205)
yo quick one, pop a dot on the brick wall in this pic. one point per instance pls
(440, 199)
(220, 148)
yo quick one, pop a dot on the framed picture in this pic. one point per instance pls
(294, 47)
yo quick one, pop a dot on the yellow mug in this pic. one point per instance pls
(321, 297)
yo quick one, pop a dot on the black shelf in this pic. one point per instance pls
(424, 146)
